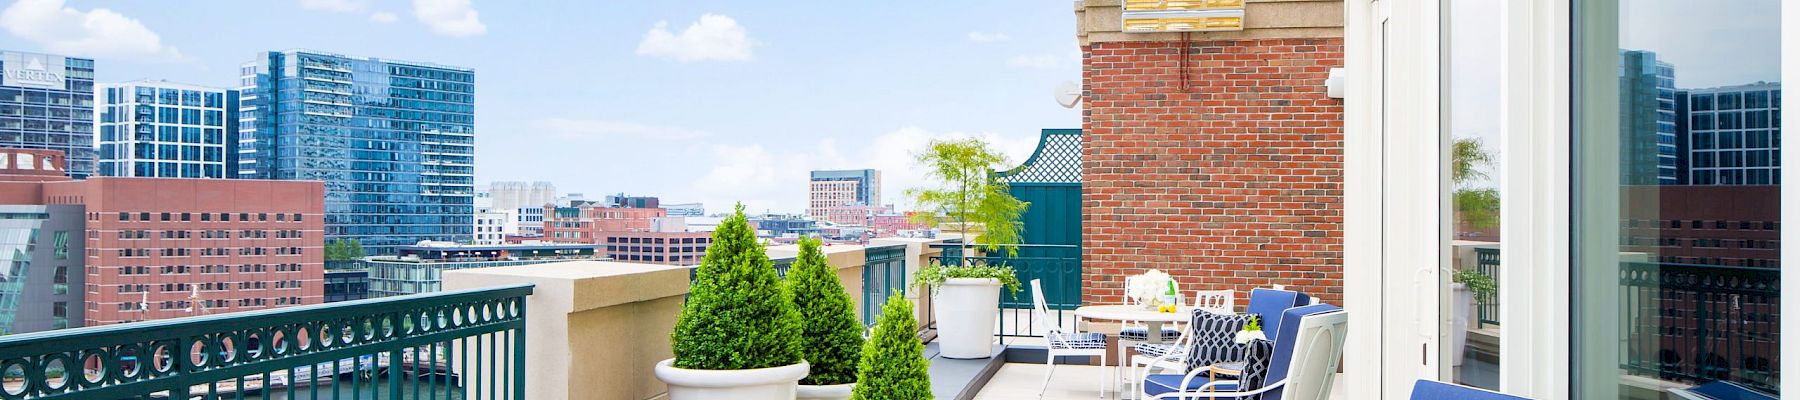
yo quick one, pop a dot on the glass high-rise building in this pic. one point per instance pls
(393, 141)
(1647, 113)
(157, 129)
(47, 102)
(1733, 134)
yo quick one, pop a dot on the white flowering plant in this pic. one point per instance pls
(1149, 288)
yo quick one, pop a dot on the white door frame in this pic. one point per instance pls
(1535, 208)
(1395, 203)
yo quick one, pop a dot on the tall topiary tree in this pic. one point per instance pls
(833, 340)
(738, 315)
(893, 362)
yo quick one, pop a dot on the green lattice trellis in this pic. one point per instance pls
(1057, 160)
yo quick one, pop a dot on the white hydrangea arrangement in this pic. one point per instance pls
(1149, 288)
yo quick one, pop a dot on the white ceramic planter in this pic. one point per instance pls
(776, 383)
(966, 308)
(825, 392)
(1461, 302)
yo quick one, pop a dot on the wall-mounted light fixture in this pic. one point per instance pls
(1143, 16)
(1334, 84)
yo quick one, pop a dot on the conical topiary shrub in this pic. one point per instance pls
(893, 362)
(738, 315)
(833, 340)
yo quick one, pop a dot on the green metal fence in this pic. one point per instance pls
(451, 345)
(884, 276)
(1487, 308)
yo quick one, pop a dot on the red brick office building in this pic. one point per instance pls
(164, 248)
(1214, 156)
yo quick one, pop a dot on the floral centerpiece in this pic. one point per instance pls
(1152, 289)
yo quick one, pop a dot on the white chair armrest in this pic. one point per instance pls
(1181, 395)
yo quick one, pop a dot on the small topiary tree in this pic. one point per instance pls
(738, 315)
(893, 362)
(833, 340)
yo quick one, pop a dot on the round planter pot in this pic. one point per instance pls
(966, 309)
(776, 383)
(825, 392)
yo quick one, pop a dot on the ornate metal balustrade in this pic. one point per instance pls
(453, 345)
(1702, 323)
(1487, 308)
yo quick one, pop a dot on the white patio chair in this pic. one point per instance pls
(1214, 301)
(1304, 363)
(1061, 343)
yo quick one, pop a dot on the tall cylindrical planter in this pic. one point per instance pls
(776, 383)
(1462, 301)
(966, 310)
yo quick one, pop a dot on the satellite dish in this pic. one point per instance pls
(1068, 94)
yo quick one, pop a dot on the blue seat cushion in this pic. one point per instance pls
(1143, 334)
(1087, 340)
(1156, 385)
(1430, 390)
(1154, 350)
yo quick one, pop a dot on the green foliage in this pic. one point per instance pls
(935, 274)
(1481, 284)
(832, 340)
(1467, 161)
(344, 250)
(1255, 324)
(893, 362)
(738, 315)
(968, 193)
(1480, 208)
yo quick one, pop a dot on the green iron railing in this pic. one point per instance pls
(1487, 307)
(451, 345)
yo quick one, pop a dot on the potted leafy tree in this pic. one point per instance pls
(968, 194)
(831, 337)
(893, 362)
(1477, 208)
(738, 336)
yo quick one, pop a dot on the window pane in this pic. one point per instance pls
(1675, 282)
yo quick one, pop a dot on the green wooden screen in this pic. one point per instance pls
(1051, 181)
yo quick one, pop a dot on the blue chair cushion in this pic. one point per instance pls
(1087, 340)
(1215, 338)
(1284, 342)
(1268, 304)
(1722, 391)
(1156, 385)
(1431, 390)
(1143, 334)
(1154, 350)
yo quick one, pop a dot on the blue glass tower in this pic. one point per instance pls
(158, 129)
(393, 141)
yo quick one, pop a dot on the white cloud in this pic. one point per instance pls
(1040, 61)
(569, 128)
(97, 32)
(449, 17)
(337, 6)
(775, 179)
(713, 37)
(985, 37)
(383, 17)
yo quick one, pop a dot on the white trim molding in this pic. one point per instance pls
(1790, 204)
(1535, 117)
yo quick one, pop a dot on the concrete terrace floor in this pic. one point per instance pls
(1071, 382)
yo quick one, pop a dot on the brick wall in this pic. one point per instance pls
(1235, 182)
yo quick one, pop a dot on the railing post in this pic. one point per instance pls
(519, 353)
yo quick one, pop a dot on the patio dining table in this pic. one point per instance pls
(1151, 318)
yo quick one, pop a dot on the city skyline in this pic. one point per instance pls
(757, 71)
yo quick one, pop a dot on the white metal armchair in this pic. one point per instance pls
(1062, 343)
(1301, 366)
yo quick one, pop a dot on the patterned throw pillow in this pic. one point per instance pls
(1257, 355)
(1214, 338)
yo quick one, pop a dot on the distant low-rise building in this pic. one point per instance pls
(646, 235)
(829, 189)
(686, 209)
(418, 268)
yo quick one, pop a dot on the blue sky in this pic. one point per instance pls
(691, 100)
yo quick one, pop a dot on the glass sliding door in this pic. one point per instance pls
(1676, 207)
(1471, 96)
